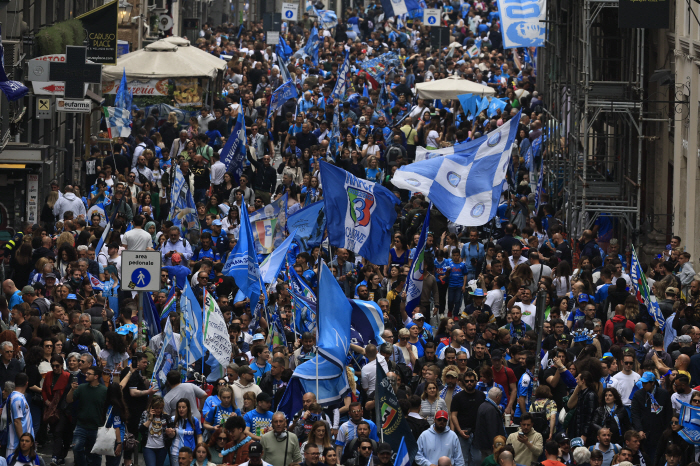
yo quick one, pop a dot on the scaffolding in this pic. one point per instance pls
(591, 73)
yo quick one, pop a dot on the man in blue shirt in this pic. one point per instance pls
(457, 282)
(473, 253)
(259, 420)
(524, 390)
(15, 296)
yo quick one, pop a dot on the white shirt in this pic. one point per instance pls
(218, 170)
(546, 271)
(138, 150)
(623, 384)
(137, 239)
(676, 398)
(521, 260)
(369, 373)
(145, 171)
(529, 312)
(494, 299)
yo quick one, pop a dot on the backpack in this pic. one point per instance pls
(619, 325)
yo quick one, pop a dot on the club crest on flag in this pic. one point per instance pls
(360, 203)
(388, 415)
(494, 140)
(478, 210)
(453, 178)
(417, 272)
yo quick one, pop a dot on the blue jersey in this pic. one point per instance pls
(206, 254)
(441, 269)
(218, 415)
(185, 435)
(258, 423)
(457, 273)
(525, 390)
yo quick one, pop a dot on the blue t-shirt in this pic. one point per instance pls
(524, 389)
(602, 294)
(310, 277)
(259, 371)
(178, 273)
(207, 254)
(457, 273)
(218, 415)
(258, 423)
(441, 268)
(15, 299)
(115, 421)
(185, 435)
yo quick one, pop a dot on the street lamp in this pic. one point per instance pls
(125, 12)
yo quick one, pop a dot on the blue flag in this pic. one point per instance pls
(284, 71)
(151, 316)
(690, 420)
(242, 263)
(233, 154)
(305, 311)
(495, 105)
(538, 192)
(465, 186)
(527, 158)
(367, 320)
(333, 319)
(482, 104)
(312, 45)
(108, 228)
(360, 215)
(414, 280)
(536, 147)
(468, 102)
(332, 385)
(270, 267)
(390, 416)
(309, 223)
(122, 98)
(183, 210)
(283, 50)
(402, 456)
(282, 94)
(167, 357)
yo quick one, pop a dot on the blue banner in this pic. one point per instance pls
(414, 280)
(233, 154)
(309, 223)
(333, 320)
(282, 94)
(523, 22)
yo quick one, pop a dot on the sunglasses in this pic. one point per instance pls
(365, 448)
(222, 439)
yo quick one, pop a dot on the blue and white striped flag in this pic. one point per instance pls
(233, 154)
(368, 320)
(465, 186)
(183, 210)
(193, 335)
(402, 456)
(538, 192)
(118, 121)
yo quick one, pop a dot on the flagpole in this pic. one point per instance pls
(318, 313)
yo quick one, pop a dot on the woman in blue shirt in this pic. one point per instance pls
(187, 431)
(217, 416)
(261, 353)
(373, 172)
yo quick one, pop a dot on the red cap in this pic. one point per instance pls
(176, 258)
(442, 414)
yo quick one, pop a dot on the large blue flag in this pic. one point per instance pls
(538, 191)
(360, 214)
(233, 154)
(333, 319)
(283, 50)
(305, 311)
(311, 47)
(414, 280)
(151, 316)
(690, 420)
(495, 105)
(282, 94)
(398, 7)
(309, 223)
(123, 97)
(327, 18)
(167, 357)
(390, 417)
(468, 102)
(367, 320)
(183, 210)
(466, 186)
(332, 385)
(242, 263)
(270, 267)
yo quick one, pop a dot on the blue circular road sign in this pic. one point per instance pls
(140, 277)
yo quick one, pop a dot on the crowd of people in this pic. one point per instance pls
(605, 388)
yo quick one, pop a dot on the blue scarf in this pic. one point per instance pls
(21, 459)
(235, 447)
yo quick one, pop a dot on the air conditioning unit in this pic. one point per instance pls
(13, 49)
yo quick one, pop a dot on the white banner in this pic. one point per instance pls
(215, 332)
(522, 22)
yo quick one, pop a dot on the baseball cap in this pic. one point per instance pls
(583, 298)
(564, 337)
(477, 292)
(685, 339)
(672, 290)
(258, 336)
(72, 296)
(561, 437)
(255, 450)
(418, 316)
(648, 377)
(262, 396)
(452, 373)
(216, 222)
(28, 290)
(49, 275)
(442, 414)
(576, 442)
(384, 448)
(176, 258)
(607, 355)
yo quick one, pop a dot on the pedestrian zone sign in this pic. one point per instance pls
(141, 270)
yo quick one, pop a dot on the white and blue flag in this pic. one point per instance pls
(538, 191)
(495, 105)
(341, 84)
(282, 94)
(690, 420)
(327, 18)
(333, 320)
(402, 456)
(192, 341)
(467, 185)
(367, 320)
(360, 214)
(183, 210)
(523, 22)
(399, 7)
(414, 280)
(271, 266)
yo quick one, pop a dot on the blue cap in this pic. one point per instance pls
(583, 298)
(258, 336)
(648, 377)
(216, 222)
(126, 329)
(477, 292)
(72, 296)
(607, 355)
(576, 442)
